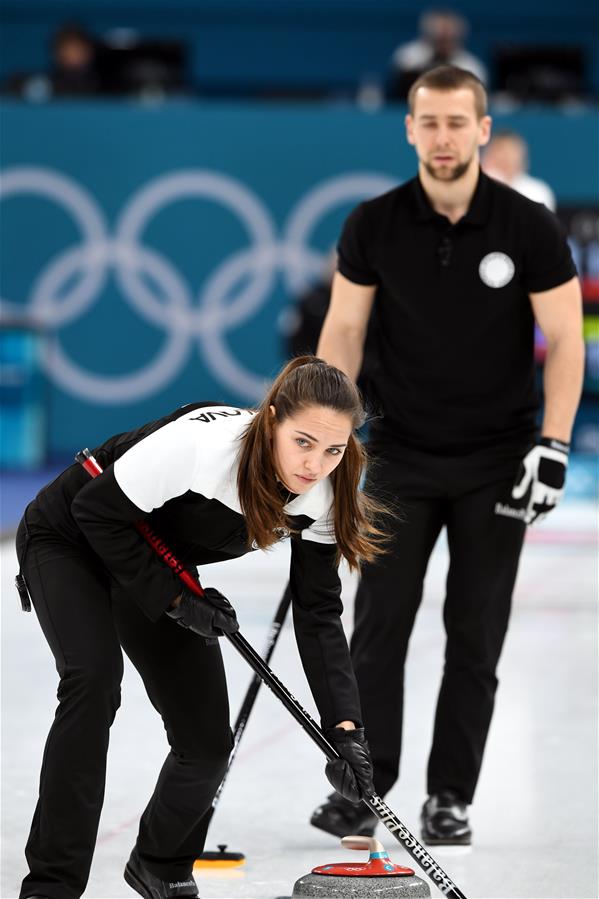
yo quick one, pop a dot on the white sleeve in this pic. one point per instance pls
(160, 467)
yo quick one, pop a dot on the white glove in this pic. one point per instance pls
(543, 473)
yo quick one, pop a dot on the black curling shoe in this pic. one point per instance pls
(342, 818)
(444, 820)
(150, 887)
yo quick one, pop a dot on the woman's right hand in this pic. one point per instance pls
(210, 615)
(351, 775)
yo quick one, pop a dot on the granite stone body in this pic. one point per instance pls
(331, 887)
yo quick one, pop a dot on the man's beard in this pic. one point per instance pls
(453, 174)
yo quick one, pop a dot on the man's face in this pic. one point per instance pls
(446, 132)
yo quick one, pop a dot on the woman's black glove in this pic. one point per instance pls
(210, 615)
(351, 775)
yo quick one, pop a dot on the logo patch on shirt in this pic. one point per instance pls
(496, 269)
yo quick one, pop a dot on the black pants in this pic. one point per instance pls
(484, 550)
(185, 682)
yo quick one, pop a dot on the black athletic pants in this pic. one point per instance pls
(458, 493)
(185, 682)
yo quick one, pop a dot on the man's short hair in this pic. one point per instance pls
(451, 78)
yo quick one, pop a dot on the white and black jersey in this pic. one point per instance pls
(180, 474)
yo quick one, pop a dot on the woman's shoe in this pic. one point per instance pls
(151, 887)
(342, 818)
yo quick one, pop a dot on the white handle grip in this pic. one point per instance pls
(371, 844)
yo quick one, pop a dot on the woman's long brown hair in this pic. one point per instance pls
(308, 381)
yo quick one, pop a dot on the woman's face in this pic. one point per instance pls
(309, 445)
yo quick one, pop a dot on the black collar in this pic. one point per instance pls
(478, 211)
(286, 495)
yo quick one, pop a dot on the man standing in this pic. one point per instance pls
(458, 267)
(506, 159)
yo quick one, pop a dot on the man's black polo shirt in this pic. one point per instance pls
(455, 328)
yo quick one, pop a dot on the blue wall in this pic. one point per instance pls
(263, 43)
(163, 246)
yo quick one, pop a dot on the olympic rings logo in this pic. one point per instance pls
(232, 294)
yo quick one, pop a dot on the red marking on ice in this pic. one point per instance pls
(268, 740)
(109, 834)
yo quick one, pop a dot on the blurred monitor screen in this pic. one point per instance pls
(142, 65)
(540, 73)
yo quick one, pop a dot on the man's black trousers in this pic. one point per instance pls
(185, 681)
(432, 492)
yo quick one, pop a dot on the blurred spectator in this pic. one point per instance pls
(442, 35)
(301, 327)
(506, 159)
(122, 64)
(73, 71)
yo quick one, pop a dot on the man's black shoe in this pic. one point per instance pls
(444, 820)
(151, 887)
(342, 818)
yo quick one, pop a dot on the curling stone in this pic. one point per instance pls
(378, 878)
